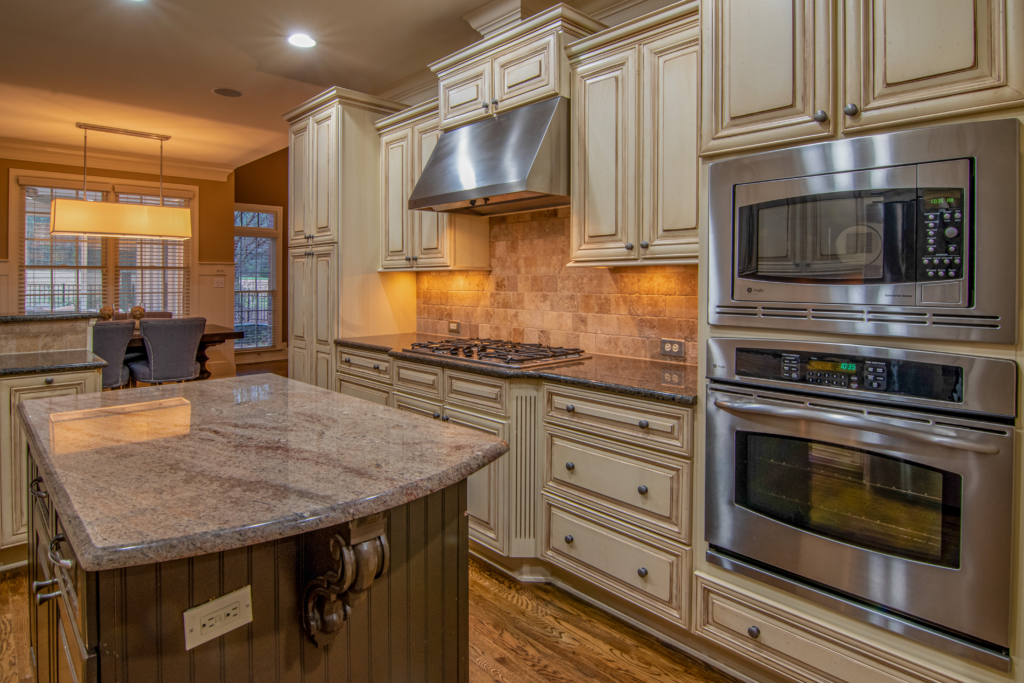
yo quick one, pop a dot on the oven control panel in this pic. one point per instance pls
(940, 236)
(861, 373)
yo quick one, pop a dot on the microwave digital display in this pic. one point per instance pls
(942, 199)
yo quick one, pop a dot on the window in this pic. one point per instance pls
(257, 309)
(82, 274)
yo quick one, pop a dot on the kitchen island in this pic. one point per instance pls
(345, 520)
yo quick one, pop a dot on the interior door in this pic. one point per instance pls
(323, 295)
(430, 229)
(604, 153)
(298, 182)
(396, 186)
(298, 314)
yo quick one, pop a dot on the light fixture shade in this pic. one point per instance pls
(107, 219)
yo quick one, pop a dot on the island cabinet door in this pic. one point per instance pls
(14, 448)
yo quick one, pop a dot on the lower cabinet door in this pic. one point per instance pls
(368, 391)
(485, 489)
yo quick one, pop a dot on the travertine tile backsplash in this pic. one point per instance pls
(531, 296)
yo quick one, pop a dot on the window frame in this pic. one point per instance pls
(277, 233)
(16, 223)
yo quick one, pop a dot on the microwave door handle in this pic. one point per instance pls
(854, 422)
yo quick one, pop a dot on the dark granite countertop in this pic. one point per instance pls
(45, 317)
(41, 362)
(659, 380)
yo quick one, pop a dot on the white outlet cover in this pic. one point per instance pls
(218, 282)
(213, 619)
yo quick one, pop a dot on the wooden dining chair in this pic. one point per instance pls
(109, 342)
(171, 347)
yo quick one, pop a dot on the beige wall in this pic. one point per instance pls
(531, 296)
(216, 205)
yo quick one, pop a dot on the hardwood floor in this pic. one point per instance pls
(275, 367)
(518, 634)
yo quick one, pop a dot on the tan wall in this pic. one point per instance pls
(265, 181)
(531, 296)
(216, 205)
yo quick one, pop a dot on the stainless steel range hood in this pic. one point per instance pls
(515, 161)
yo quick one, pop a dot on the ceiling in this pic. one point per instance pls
(151, 65)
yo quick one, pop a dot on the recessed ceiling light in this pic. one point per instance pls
(226, 92)
(301, 40)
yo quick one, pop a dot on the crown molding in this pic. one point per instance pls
(424, 110)
(66, 155)
(345, 97)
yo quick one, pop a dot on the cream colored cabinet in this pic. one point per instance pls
(312, 301)
(522, 64)
(421, 240)
(14, 447)
(312, 144)
(635, 141)
(910, 61)
(298, 182)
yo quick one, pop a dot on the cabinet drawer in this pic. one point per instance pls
(75, 662)
(375, 366)
(476, 391)
(647, 422)
(526, 73)
(647, 570)
(367, 391)
(643, 487)
(464, 93)
(798, 648)
(77, 588)
(422, 379)
(417, 406)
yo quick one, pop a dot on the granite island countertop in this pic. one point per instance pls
(42, 362)
(162, 473)
(659, 380)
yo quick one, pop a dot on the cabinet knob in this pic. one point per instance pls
(445, 418)
(570, 466)
(415, 258)
(644, 424)
(645, 244)
(642, 490)
(48, 380)
(753, 632)
(851, 109)
(348, 360)
(408, 258)
(568, 538)
(376, 367)
(569, 408)
(629, 246)
(486, 106)
(642, 572)
(821, 116)
(437, 415)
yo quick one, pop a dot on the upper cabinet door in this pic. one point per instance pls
(767, 71)
(396, 186)
(429, 228)
(908, 60)
(670, 157)
(604, 159)
(323, 213)
(527, 73)
(298, 175)
(466, 94)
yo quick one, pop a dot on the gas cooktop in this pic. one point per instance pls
(498, 352)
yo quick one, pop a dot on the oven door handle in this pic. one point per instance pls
(853, 422)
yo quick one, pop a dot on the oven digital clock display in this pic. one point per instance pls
(832, 366)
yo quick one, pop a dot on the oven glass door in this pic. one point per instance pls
(852, 495)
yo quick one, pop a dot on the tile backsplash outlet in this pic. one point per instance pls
(673, 347)
(531, 296)
(454, 327)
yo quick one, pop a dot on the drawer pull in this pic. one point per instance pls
(753, 632)
(376, 366)
(40, 585)
(570, 466)
(437, 415)
(642, 490)
(642, 572)
(446, 418)
(568, 538)
(644, 424)
(569, 407)
(48, 380)
(46, 597)
(35, 492)
(52, 553)
(348, 360)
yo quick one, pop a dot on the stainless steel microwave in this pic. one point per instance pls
(910, 234)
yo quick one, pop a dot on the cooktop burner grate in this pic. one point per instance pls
(499, 352)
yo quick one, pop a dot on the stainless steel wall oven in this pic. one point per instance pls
(908, 234)
(876, 481)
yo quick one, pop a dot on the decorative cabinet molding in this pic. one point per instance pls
(903, 64)
(422, 240)
(465, 95)
(767, 71)
(635, 142)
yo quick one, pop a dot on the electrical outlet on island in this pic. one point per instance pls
(218, 616)
(673, 347)
(454, 327)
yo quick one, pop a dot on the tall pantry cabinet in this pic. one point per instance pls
(334, 288)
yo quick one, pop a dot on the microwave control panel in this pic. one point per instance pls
(940, 235)
(861, 373)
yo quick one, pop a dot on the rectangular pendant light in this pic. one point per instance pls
(74, 217)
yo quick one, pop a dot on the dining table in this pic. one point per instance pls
(212, 336)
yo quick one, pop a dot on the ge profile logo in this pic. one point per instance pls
(749, 290)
